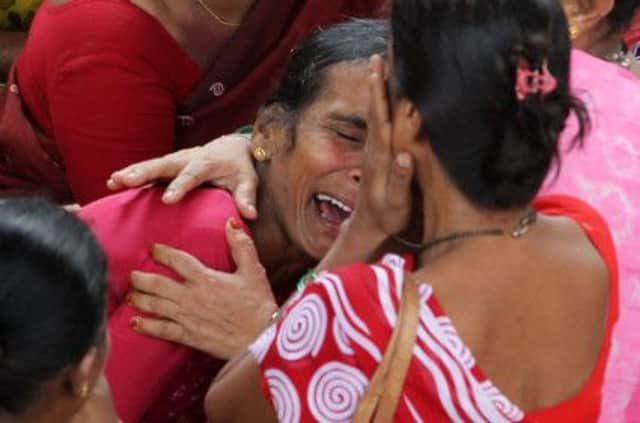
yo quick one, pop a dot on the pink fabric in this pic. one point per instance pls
(606, 174)
(153, 380)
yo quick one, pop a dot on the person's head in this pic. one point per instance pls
(313, 128)
(598, 17)
(52, 311)
(454, 72)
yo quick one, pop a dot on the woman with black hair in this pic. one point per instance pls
(308, 144)
(516, 296)
(52, 314)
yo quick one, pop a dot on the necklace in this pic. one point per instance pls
(217, 17)
(620, 57)
(520, 229)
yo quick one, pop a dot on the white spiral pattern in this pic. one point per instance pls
(284, 396)
(261, 346)
(303, 329)
(342, 342)
(335, 391)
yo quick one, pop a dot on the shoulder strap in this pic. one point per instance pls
(380, 401)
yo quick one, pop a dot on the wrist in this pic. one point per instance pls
(271, 313)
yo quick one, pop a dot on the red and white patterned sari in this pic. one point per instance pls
(317, 361)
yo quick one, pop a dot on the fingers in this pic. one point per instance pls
(245, 197)
(154, 305)
(186, 265)
(190, 177)
(148, 171)
(158, 328)
(72, 208)
(158, 285)
(243, 251)
(399, 182)
(379, 102)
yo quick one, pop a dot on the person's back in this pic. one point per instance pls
(532, 315)
(162, 381)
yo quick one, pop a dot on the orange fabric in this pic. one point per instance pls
(585, 406)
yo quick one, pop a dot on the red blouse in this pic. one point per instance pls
(317, 361)
(152, 380)
(105, 80)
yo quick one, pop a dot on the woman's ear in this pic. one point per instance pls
(82, 377)
(271, 133)
(584, 15)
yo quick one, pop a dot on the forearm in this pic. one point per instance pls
(10, 45)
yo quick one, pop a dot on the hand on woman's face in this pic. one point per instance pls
(314, 184)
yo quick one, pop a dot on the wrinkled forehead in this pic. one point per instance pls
(344, 92)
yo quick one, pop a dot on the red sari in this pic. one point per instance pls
(317, 361)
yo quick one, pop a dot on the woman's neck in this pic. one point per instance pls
(197, 31)
(232, 11)
(600, 41)
(445, 212)
(283, 261)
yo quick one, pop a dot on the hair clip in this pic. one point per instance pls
(538, 81)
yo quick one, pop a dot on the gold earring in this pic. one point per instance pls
(84, 391)
(574, 31)
(259, 153)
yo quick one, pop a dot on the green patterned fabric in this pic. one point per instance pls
(16, 15)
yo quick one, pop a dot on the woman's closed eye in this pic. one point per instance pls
(357, 138)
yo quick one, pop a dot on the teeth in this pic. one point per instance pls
(334, 201)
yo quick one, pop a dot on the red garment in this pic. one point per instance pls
(317, 361)
(632, 35)
(153, 380)
(105, 81)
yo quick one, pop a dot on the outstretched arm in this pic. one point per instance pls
(225, 163)
(237, 385)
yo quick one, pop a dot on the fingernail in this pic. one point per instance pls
(235, 224)
(157, 248)
(134, 322)
(403, 160)
(129, 300)
(133, 174)
(253, 210)
(169, 195)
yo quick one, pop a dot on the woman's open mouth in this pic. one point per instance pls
(332, 209)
